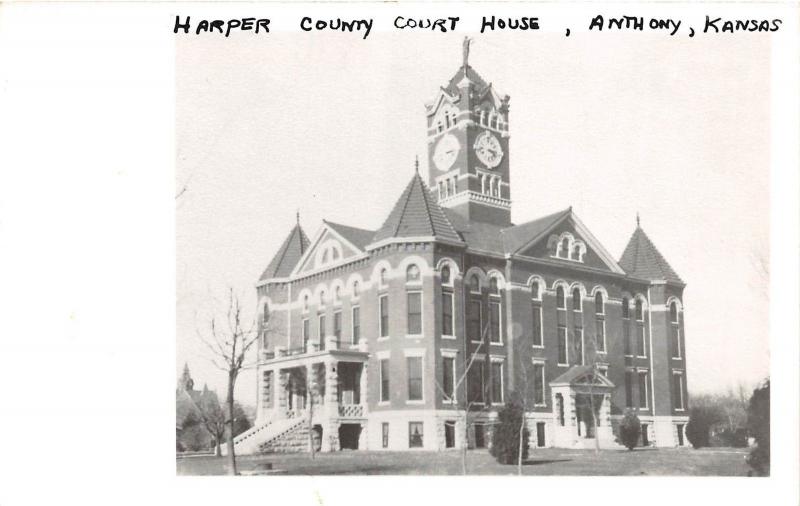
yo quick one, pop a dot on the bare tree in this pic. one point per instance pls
(524, 399)
(213, 417)
(588, 352)
(313, 388)
(230, 339)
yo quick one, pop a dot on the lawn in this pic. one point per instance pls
(544, 461)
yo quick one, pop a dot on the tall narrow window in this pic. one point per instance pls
(356, 324)
(625, 308)
(494, 288)
(384, 435)
(600, 322)
(474, 284)
(639, 311)
(337, 295)
(561, 300)
(414, 370)
(628, 389)
(448, 378)
(560, 406)
(538, 384)
(495, 322)
(321, 332)
(626, 327)
(535, 294)
(643, 389)
(383, 324)
(576, 300)
(675, 330)
(384, 372)
(673, 312)
(599, 306)
(537, 325)
(564, 251)
(414, 313)
(337, 327)
(446, 275)
(305, 303)
(356, 289)
(579, 345)
(306, 334)
(677, 390)
(641, 341)
(563, 356)
(447, 314)
(383, 277)
(497, 382)
(475, 381)
(474, 320)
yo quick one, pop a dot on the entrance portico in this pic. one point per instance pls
(580, 396)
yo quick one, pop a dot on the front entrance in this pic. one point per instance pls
(349, 433)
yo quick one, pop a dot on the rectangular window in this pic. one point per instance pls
(415, 434)
(414, 367)
(579, 344)
(540, 435)
(677, 390)
(306, 334)
(538, 384)
(337, 326)
(676, 341)
(642, 389)
(414, 313)
(356, 324)
(474, 320)
(626, 338)
(448, 378)
(447, 314)
(679, 428)
(383, 324)
(600, 327)
(322, 330)
(537, 325)
(384, 380)
(563, 357)
(475, 382)
(628, 389)
(494, 322)
(384, 435)
(641, 343)
(497, 382)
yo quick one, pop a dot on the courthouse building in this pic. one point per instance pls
(414, 335)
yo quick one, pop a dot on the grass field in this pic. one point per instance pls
(546, 461)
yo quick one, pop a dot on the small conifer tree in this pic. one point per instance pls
(505, 437)
(630, 429)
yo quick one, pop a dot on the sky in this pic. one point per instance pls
(676, 130)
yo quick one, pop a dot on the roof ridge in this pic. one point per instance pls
(425, 198)
(407, 195)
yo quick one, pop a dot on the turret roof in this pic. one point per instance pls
(641, 259)
(288, 255)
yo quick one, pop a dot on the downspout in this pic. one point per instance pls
(652, 369)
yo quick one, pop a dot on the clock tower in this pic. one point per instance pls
(468, 147)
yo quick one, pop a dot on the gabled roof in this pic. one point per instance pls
(641, 259)
(288, 255)
(416, 215)
(578, 372)
(358, 236)
(518, 236)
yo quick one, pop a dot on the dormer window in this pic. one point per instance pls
(564, 247)
(567, 247)
(412, 274)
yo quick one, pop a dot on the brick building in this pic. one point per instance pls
(385, 337)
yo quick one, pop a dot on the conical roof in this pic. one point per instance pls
(416, 215)
(641, 259)
(288, 255)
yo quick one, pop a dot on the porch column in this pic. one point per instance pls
(283, 400)
(331, 425)
(363, 387)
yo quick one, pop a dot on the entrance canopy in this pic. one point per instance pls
(583, 378)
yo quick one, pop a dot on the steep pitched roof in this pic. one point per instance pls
(358, 236)
(288, 255)
(642, 260)
(472, 75)
(416, 215)
(518, 236)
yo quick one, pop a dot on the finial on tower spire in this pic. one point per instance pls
(465, 50)
(297, 216)
(638, 221)
(416, 164)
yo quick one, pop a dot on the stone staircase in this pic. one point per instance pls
(294, 439)
(250, 441)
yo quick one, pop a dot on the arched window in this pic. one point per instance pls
(673, 312)
(576, 299)
(535, 290)
(576, 252)
(639, 312)
(337, 292)
(626, 308)
(445, 275)
(494, 289)
(355, 289)
(565, 248)
(561, 300)
(598, 303)
(439, 126)
(447, 121)
(383, 277)
(474, 284)
(322, 298)
(265, 314)
(335, 254)
(305, 303)
(324, 257)
(412, 273)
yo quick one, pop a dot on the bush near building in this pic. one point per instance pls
(758, 425)
(505, 437)
(698, 430)
(630, 428)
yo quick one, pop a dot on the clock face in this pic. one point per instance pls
(488, 149)
(446, 152)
